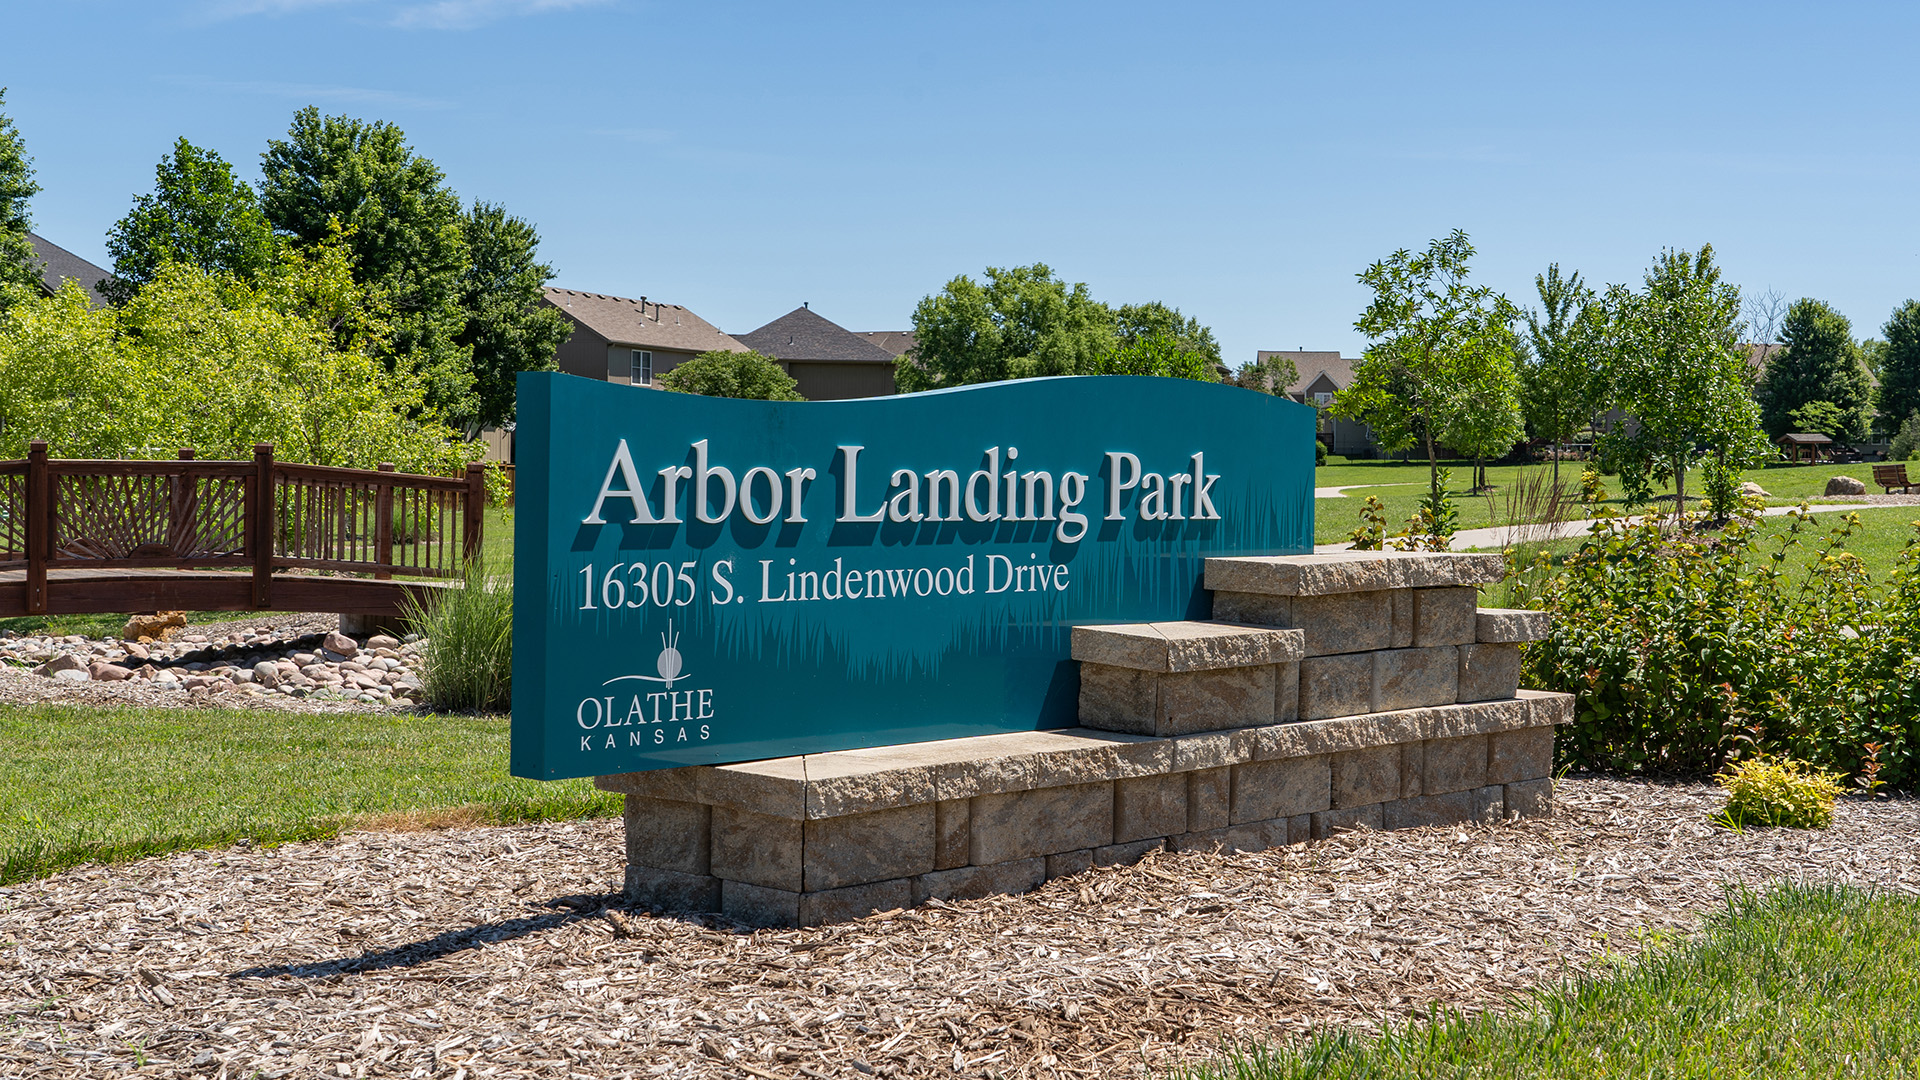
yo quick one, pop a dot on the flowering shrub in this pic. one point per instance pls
(1685, 649)
(1778, 791)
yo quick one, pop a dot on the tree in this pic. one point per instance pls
(1820, 363)
(1490, 422)
(508, 329)
(1676, 367)
(19, 270)
(199, 214)
(206, 361)
(1271, 374)
(1021, 323)
(403, 224)
(1561, 388)
(1434, 343)
(731, 374)
(1899, 393)
(1178, 345)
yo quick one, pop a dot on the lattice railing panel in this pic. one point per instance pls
(335, 525)
(149, 517)
(13, 518)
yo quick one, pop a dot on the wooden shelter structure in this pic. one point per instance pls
(190, 535)
(1804, 448)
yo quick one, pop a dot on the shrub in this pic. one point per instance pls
(732, 374)
(1906, 442)
(1683, 647)
(1764, 790)
(1319, 453)
(468, 660)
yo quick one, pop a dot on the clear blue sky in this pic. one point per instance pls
(1240, 161)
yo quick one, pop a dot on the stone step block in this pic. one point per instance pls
(1283, 788)
(1452, 765)
(1351, 571)
(1149, 703)
(758, 849)
(1445, 616)
(859, 848)
(1329, 624)
(1387, 680)
(757, 905)
(1149, 806)
(1511, 625)
(1366, 776)
(1184, 646)
(1328, 823)
(1209, 799)
(1046, 821)
(1489, 672)
(1530, 798)
(668, 890)
(667, 835)
(972, 882)
(1517, 756)
(1454, 808)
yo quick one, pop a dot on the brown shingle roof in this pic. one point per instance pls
(1311, 364)
(896, 342)
(58, 264)
(642, 322)
(804, 335)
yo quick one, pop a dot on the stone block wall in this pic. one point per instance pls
(1372, 695)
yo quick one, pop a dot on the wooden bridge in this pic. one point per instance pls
(189, 535)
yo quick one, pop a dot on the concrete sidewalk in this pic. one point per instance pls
(1500, 536)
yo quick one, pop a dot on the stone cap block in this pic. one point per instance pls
(1185, 646)
(1501, 626)
(1351, 571)
(847, 782)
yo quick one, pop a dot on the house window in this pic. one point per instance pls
(1323, 400)
(642, 372)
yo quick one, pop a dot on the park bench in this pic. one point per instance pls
(1892, 476)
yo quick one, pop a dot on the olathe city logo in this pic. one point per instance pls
(660, 717)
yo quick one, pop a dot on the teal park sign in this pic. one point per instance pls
(704, 580)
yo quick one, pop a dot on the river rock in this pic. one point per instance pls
(1845, 485)
(63, 662)
(101, 671)
(73, 675)
(340, 644)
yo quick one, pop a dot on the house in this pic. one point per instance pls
(896, 342)
(616, 339)
(57, 264)
(830, 363)
(1321, 375)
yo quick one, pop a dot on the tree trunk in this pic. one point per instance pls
(1433, 470)
(1679, 492)
(1556, 469)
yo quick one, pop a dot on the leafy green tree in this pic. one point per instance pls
(731, 374)
(1269, 375)
(1676, 367)
(1821, 362)
(1183, 348)
(508, 329)
(1489, 422)
(1435, 343)
(1561, 385)
(1822, 418)
(199, 214)
(403, 224)
(1020, 323)
(19, 271)
(207, 361)
(1899, 393)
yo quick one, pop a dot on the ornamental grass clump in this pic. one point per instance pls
(1686, 647)
(1777, 791)
(467, 664)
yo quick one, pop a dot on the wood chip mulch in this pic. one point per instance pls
(500, 952)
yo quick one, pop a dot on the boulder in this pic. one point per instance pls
(63, 662)
(161, 626)
(340, 644)
(1845, 485)
(1753, 489)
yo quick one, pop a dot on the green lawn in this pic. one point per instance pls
(89, 784)
(1334, 519)
(1809, 980)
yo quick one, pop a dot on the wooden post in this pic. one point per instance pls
(383, 525)
(180, 510)
(476, 510)
(263, 516)
(39, 527)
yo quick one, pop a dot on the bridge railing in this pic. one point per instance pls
(259, 514)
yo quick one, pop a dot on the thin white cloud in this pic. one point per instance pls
(466, 14)
(314, 94)
(403, 14)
